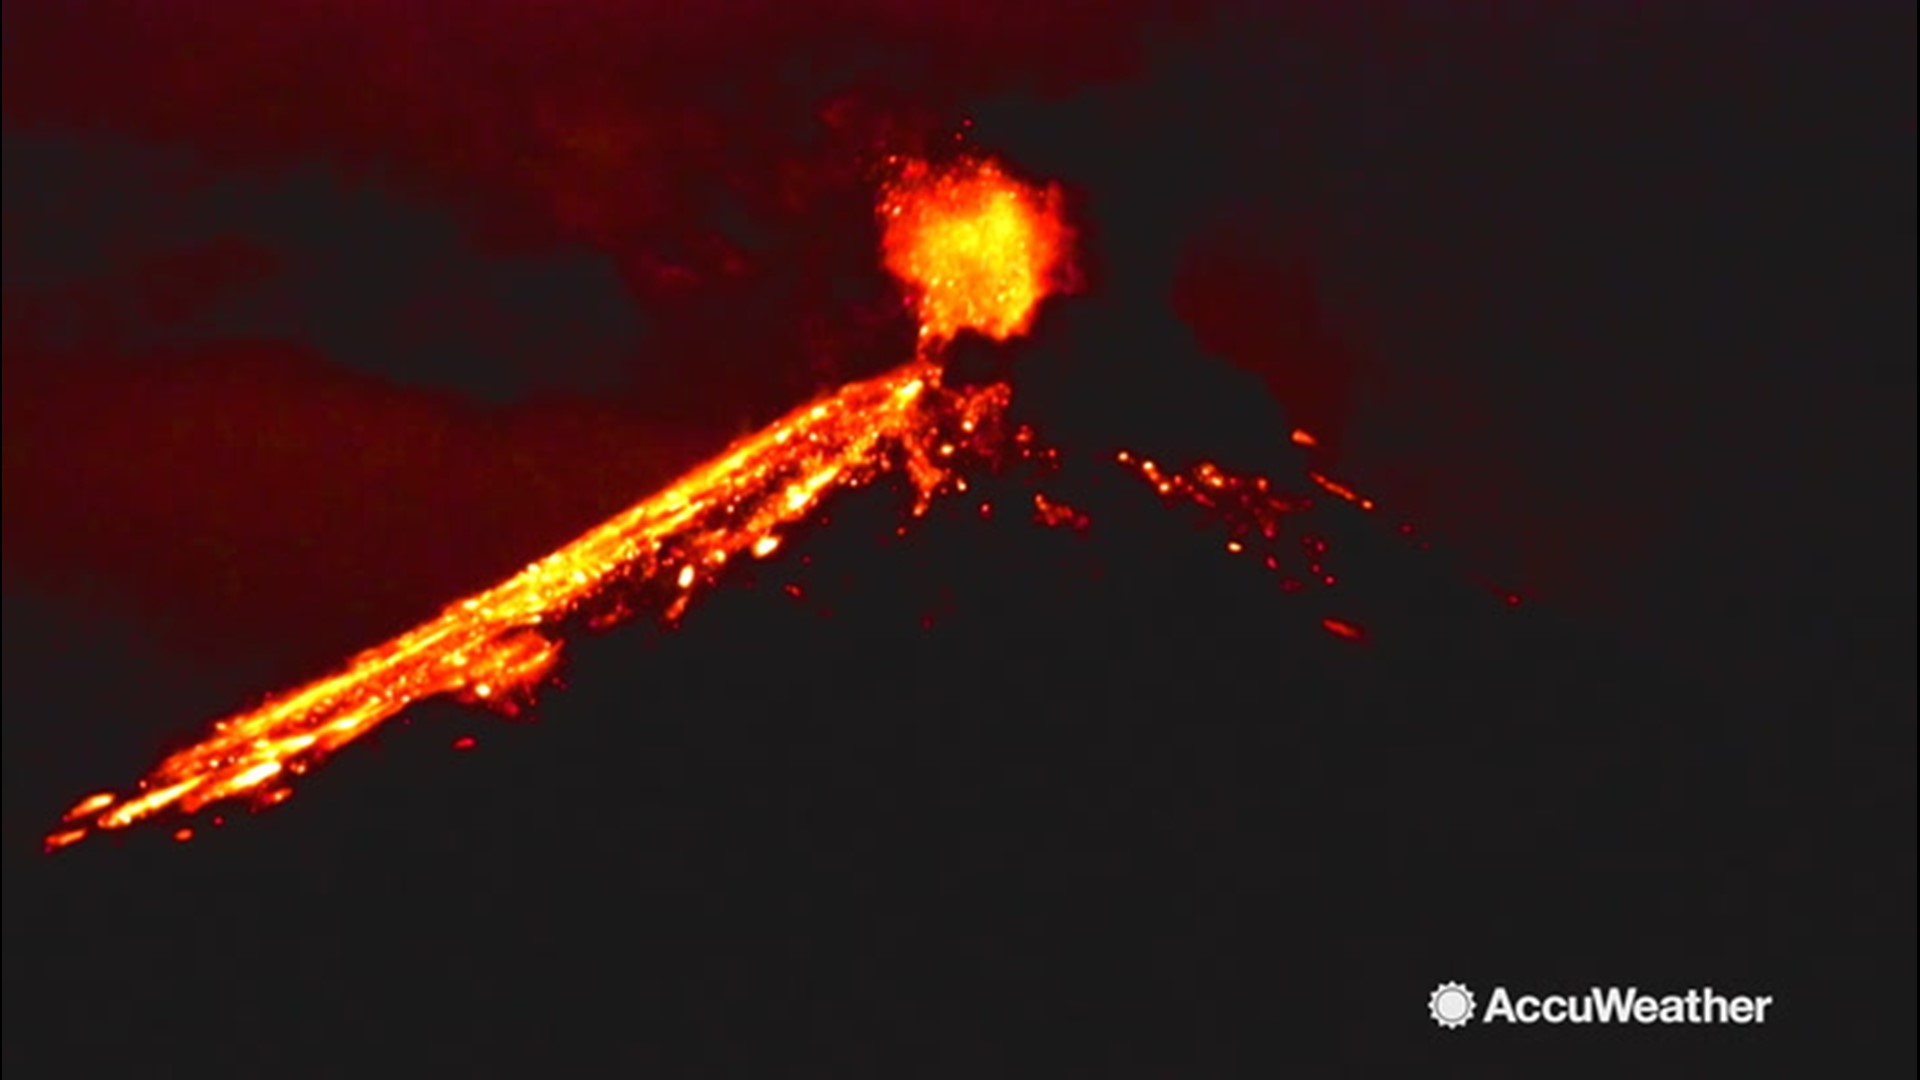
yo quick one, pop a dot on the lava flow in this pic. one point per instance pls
(979, 250)
(500, 644)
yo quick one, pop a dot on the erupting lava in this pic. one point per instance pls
(979, 251)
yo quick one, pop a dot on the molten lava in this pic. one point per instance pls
(979, 249)
(497, 646)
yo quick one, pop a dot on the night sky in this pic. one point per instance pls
(320, 315)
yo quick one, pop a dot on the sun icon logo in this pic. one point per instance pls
(1451, 1005)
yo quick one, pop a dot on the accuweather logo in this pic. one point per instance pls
(1452, 1005)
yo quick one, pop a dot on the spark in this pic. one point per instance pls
(1056, 515)
(1335, 488)
(1342, 628)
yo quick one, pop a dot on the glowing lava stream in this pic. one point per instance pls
(494, 645)
(978, 250)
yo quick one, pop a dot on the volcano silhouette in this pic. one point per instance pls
(995, 797)
(972, 799)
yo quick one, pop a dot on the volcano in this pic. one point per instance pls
(1065, 769)
(1114, 669)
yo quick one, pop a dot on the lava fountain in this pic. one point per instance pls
(978, 249)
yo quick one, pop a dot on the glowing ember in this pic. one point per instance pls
(1342, 491)
(980, 249)
(1342, 628)
(65, 837)
(1057, 514)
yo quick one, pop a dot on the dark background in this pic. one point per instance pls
(316, 317)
